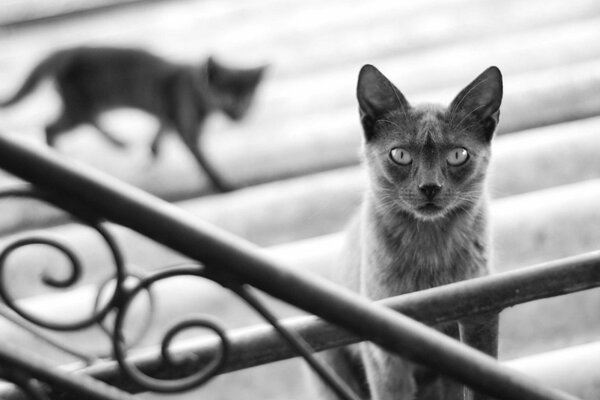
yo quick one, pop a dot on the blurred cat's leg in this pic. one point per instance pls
(188, 126)
(214, 177)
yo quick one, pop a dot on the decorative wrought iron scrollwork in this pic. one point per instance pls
(197, 377)
(75, 265)
(115, 297)
(122, 288)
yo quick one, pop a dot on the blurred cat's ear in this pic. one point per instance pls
(376, 97)
(262, 69)
(248, 78)
(480, 101)
(211, 67)
(259, 72)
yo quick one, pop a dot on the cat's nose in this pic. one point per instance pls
(430, 190)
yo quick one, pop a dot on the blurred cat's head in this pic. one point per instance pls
(428, 161)
(233, 89)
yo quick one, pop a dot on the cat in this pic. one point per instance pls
(423, 223)
(91, 80)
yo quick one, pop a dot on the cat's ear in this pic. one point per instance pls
(480, 101)
(258, 73)
(212, 67)
(210, 61)
(376, 97)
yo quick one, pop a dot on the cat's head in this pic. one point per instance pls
(233, 89)
(427, 160)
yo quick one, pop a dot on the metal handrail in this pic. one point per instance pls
(229, 257)
(261, 344)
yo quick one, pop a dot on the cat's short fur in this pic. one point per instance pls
(423, 222)
(91, 80)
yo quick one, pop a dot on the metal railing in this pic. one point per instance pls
(261, 344)
(238, 265)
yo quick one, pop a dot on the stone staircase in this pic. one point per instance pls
(295, 159)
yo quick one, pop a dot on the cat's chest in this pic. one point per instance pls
(415, 258)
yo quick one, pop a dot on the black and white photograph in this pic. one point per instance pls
(299, 199)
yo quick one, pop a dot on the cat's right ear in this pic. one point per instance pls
(376, 97)
(480, 101)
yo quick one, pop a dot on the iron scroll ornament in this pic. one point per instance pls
(198, 377)
(121, 298)
(75, 264)
(116, 302)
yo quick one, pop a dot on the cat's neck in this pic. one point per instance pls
(406, 253)
(400, 233)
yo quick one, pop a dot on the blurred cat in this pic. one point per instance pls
(423, 223)
(91, 80)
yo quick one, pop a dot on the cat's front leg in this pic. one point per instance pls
(390, 377)
(481, 333)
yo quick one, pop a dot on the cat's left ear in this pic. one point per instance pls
(480, 101)
(376, 96)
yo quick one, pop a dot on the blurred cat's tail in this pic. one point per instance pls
(46, 68)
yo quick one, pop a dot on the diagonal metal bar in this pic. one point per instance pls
(296, 342)
(228, 254)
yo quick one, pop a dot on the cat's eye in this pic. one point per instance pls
(400, 156)
(457, 156)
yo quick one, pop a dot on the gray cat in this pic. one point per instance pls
(91, 80)
(423, 222)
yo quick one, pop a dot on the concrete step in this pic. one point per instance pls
(420, 71)
(22, 13)
(528, 229)
(318, 122)
(252, 153)
(247, 29)
(417, 70)
(322, 203)
(324, 91)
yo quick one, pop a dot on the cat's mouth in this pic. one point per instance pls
(430, 210)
